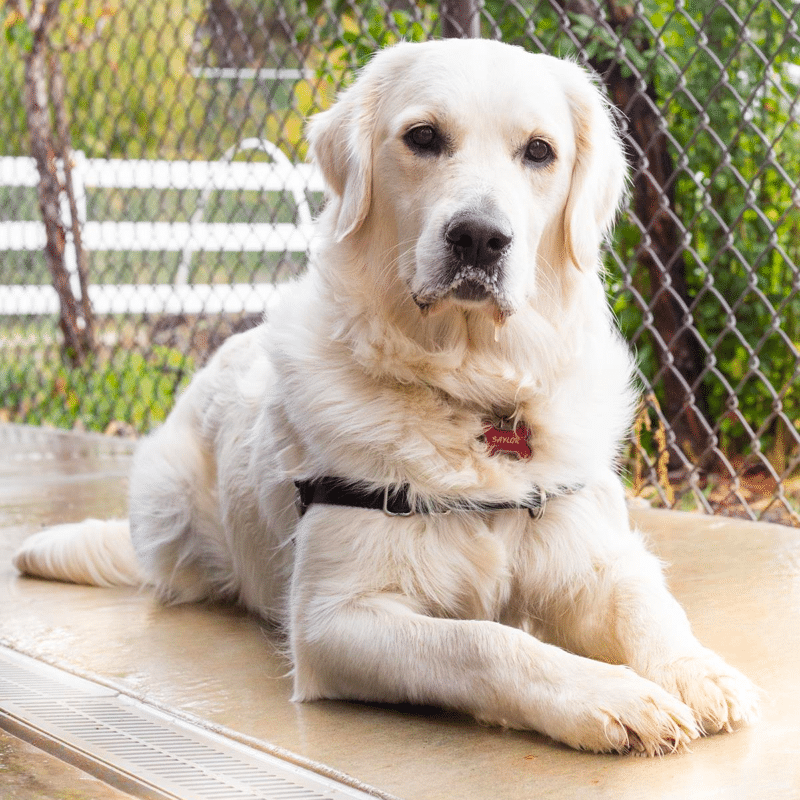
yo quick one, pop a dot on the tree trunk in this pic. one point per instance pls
(77, 334)
(460, 19)
(58, 94)
(680, 354)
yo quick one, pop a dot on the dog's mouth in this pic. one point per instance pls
(471, 291)
(469, 287)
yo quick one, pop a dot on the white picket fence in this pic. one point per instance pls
(277, 175)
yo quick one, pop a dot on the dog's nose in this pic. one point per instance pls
(476, 240)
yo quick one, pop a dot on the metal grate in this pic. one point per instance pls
(141, 749)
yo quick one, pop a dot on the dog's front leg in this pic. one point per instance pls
(350, 641)
(623, 613)
(655, 639)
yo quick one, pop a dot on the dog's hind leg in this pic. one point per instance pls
(175, 526)
(159, 546)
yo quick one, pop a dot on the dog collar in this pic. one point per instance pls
(394, 502)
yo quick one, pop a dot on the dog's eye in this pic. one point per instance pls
(538, 151)
(424, 138)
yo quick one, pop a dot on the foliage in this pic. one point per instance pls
(377, 28)
(729, 113)
(742, 263)
(128, 387)
(356, 31)
(134, 92)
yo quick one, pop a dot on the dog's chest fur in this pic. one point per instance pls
(361, 427)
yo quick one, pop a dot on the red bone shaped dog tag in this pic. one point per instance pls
(511, 440)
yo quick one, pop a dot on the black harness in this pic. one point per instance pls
(395, 501)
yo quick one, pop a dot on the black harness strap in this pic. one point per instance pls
(395, 502)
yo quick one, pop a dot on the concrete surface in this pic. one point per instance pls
(27, 773)
(739, 582)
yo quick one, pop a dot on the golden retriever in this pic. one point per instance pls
(446, 390)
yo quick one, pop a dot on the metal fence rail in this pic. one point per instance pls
(704, 271)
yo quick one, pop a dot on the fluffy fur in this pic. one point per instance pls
(381, 365)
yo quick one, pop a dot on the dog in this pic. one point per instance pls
(330, 470)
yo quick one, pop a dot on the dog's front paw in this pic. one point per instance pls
(719, 695)
(621, 712)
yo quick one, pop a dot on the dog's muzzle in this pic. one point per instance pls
(475, 243)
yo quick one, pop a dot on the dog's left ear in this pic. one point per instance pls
(600, 174)
(341, 145)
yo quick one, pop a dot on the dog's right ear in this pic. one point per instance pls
(341, 145)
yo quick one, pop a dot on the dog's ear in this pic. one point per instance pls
(600, 175)
(341, 145)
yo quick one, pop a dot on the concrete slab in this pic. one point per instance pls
(739, 582)
(27, 773)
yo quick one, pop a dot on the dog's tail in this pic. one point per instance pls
(94, 552)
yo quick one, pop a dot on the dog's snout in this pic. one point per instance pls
(477, 240)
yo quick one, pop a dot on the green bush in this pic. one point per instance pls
(733, 120)
(128, 387)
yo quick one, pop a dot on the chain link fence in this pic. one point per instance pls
(178, 128)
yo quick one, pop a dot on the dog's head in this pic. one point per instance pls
(475, 165)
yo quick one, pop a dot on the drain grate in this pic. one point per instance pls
(140, 749)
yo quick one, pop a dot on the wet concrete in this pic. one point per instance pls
(739, 582)
(27, 773)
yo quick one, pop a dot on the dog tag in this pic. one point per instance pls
(513, 441)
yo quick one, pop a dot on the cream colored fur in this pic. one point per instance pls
(523, 623)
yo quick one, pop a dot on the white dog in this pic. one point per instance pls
(448, 391)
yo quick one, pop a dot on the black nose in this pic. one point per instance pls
(476, 240)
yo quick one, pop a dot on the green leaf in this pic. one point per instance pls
(20, 34)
